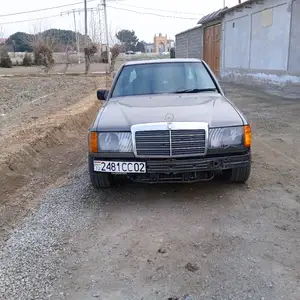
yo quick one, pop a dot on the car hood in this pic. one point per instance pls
(122, 112)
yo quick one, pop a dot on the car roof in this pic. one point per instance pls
(164, 60)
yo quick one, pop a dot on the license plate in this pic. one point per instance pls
(119, 167)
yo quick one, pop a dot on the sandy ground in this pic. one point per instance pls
(41, 119)
(97, 67)
(76, 68)
(200, 241)
(41, 92)
(59, 68)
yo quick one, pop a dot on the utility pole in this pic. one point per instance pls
(86, 36)
(74, 11)
(76, 37)
(106, 32)
(100, 27)
(224, 4)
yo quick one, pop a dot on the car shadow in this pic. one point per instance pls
(126, 192)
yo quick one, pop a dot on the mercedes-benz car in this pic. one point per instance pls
(168, 120)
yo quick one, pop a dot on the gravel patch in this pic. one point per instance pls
(33, 256)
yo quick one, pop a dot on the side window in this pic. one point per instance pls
(203, 78)
(123, 86)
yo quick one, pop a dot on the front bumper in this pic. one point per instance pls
(182, 169)
(198, 164)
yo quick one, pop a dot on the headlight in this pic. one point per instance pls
(226, 137)
(115, 141)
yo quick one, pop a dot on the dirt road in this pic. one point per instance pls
(208, 241)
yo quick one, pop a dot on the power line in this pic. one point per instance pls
(73, 11)
(42, 18)
(153, 14)
(90, 9)
(156, 9)
(43, 9)
(29, 20)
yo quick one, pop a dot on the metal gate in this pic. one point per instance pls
(212, 37)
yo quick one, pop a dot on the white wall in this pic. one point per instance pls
(237, 41)
(270, 44)
(294, 56)
(257, 38)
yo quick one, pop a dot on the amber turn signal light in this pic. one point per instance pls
(93, 142)
(247, 136)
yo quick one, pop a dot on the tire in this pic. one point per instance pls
(99, 180)
(237, 175)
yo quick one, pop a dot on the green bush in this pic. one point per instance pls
(27, 60)
(5, 61)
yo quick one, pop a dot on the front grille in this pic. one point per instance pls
(162, 143)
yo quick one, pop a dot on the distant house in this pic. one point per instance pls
(256, 41)
(160, 44)
(149, 47)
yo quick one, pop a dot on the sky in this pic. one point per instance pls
(146, 18)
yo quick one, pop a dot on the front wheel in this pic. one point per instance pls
(99, 180)
(237, 175)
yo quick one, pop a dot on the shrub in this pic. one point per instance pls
(5, 61)
(43, 56)
(172, 52)
(115, 52)
(27, 60)
(91, 50)
(104, 57)
(89, 53)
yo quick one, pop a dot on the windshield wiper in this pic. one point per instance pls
(183, 91)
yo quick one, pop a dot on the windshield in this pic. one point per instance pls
(159, 78)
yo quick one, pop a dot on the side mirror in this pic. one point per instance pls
(102, 94)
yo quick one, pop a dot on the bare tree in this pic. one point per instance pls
(2, 43)
(43, 48)
(67, 59)
(95, 46)
(115, 51)
(70, 50)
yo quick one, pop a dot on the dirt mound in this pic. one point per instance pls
(28, 151)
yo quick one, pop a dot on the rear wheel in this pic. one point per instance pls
(237, 175)
(99, 180)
